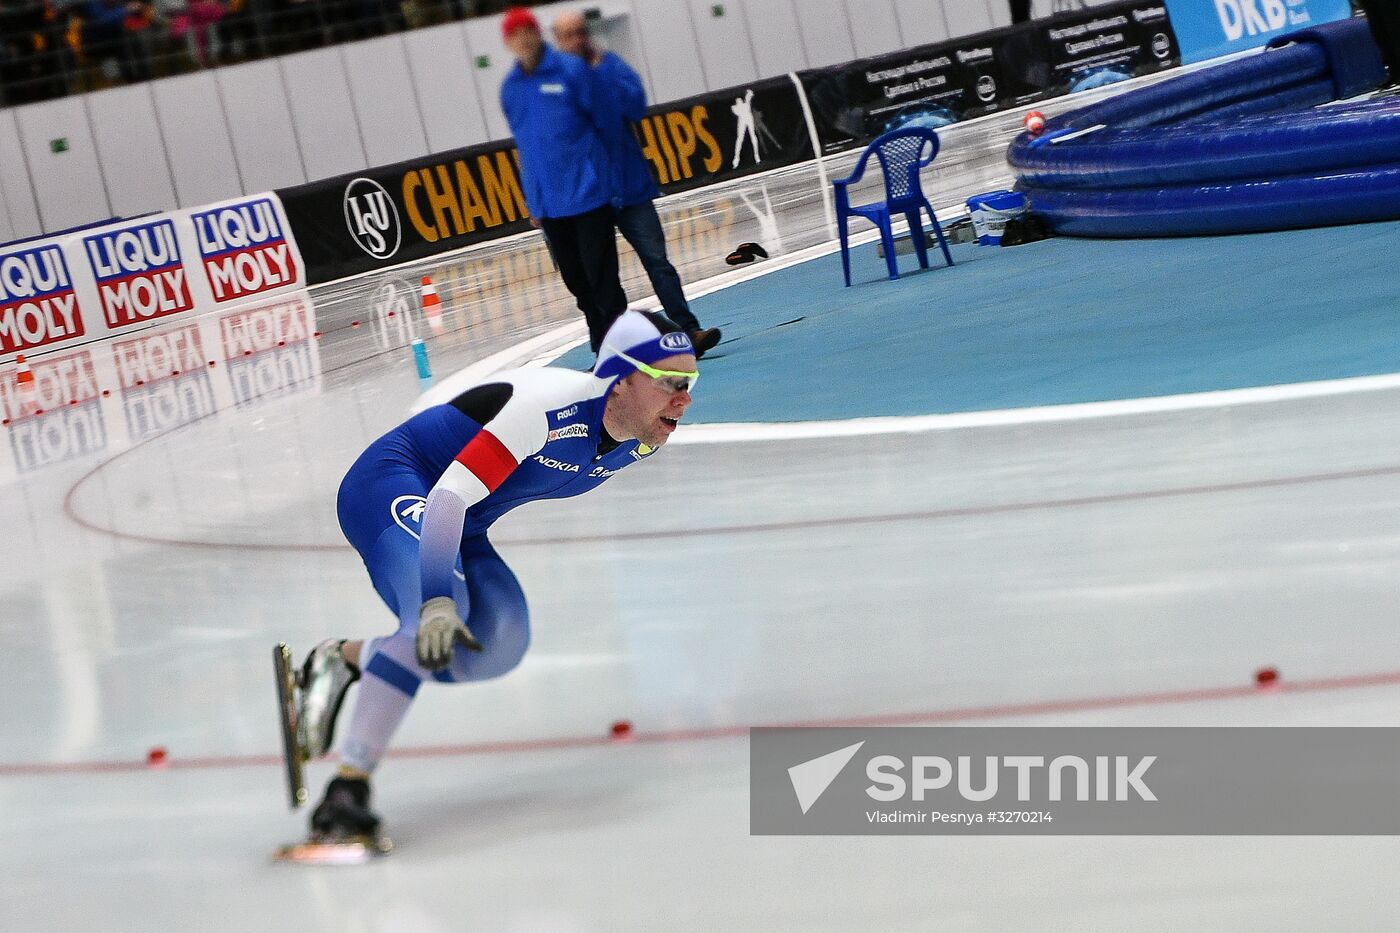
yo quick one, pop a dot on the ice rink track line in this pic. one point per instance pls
(957, 512)
(925, 717)
(736, 432)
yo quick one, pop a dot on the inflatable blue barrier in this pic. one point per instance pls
(1243, 146)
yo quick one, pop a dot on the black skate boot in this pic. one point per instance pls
(344, 830)
(344, 812)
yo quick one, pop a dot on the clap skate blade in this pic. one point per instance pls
(347, 850)
(292, 752)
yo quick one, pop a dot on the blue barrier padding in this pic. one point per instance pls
(1235, 207)
(1200, 91)
(1353, 57)
(1296, 97)
(1238, 147)
(1227, 149)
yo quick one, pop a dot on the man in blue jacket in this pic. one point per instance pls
(633, 185)
(558, 119)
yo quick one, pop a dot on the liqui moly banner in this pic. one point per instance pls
(244, 249)
(139, 272)
(123, 277)
(38, 303)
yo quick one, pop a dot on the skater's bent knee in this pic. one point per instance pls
(501, 655)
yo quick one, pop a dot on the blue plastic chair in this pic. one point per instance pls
(901, 157)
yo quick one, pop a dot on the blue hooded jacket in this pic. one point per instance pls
(558, 118)
(632, 179)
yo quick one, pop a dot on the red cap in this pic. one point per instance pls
(518, 17)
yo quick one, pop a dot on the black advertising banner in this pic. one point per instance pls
(929, 86)
(1112, 43)
(726, 134)
(385, 216)
(935, 85)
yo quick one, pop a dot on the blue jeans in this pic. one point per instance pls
(641, 226)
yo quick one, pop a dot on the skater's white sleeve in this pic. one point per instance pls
(518, 430)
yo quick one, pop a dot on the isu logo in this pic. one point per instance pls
(37, 303)
(986, 89)
(244, 249)
(1161, 45)
(139, 273)
(372, 218)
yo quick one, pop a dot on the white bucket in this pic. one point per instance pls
(991, 211)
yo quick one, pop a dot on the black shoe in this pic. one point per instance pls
(344, 811)
(704, 340)
(745, 253)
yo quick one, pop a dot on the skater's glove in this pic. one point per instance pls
(440, 630)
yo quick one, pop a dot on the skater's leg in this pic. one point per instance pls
(497, 616)
(380, 512)
(391, 673)
(388, 682)
(493, 605)
(379, 506)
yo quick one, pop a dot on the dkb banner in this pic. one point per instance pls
(385, 216)
(1066, 781)
(1211, 28)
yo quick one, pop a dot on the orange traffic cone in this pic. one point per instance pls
(24, 376)
(432, 306)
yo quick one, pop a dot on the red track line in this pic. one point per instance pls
(800, 525)
(953, 715)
